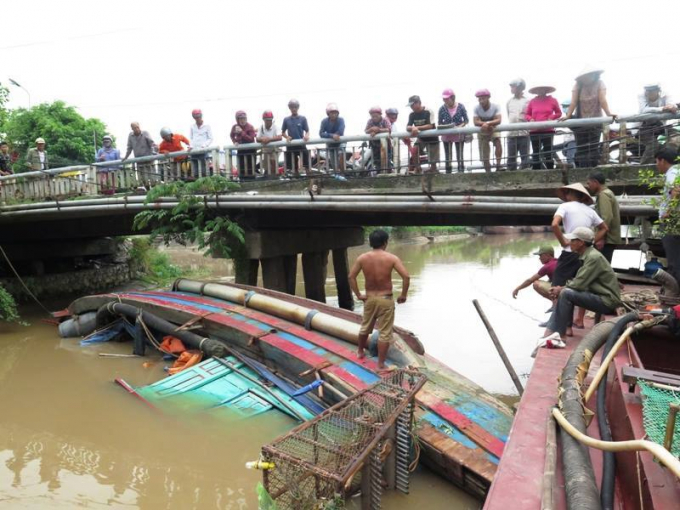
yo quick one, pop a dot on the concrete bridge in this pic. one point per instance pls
(68, 215)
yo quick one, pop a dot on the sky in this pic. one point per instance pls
(153, 62)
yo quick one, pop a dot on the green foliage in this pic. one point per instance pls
(191, 221)
(655, 182)
(68, 135)
(8, 307)
(153, 266)
(4, 113)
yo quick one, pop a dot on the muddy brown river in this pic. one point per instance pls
(71, 438)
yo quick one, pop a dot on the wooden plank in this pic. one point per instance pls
(631, 375)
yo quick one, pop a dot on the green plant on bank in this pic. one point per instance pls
(400, 232)
(8, 307)
(191, 221)
(656, 182)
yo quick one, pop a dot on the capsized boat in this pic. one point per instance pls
(215, 386)
(461, 428)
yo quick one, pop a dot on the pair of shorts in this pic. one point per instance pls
(484, 147)
(432, 149)
(379, 311)
(567, 266)
(544, 285)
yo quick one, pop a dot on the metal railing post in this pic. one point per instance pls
(623, 143)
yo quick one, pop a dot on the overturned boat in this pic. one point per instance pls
(462, 430)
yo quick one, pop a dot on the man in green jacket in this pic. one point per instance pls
(594, 287)
(607, 207)
(36, 158)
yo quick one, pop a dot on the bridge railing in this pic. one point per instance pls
(359, 153)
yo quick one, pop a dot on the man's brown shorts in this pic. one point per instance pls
(379, 311)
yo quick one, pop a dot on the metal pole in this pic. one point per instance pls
(499, 347)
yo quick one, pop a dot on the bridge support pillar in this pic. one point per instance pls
(315, 269)
(341, 270)
(278, 251)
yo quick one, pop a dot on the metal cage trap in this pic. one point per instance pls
(361, 443)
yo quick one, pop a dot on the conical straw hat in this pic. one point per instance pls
(562, 192)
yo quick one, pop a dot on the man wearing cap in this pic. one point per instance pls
(269, 132)
(295, 127)
(517, 141)
(201, 137)
(653, 100)
(36, 157)
(332, 128)
(607, 207)
(594, 287)
(422, 119)
(546, 255)
(573, 213)
(487, 116)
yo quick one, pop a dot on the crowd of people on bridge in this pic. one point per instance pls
(524, 148)
(587, 226)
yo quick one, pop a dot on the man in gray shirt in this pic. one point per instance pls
(140, 142)
(487, 116)
(653, 100)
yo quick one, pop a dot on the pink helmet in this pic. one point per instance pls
(482, 93)
(195, 112)
(241, 115)
(268, 114)
(375, 109)
(448, 93)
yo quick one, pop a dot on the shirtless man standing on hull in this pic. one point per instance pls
(377, 266)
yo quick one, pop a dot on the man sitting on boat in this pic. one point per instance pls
(377, 266)
(546, 255)
(594, 287)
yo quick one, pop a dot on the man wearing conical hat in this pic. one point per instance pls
(573, 213)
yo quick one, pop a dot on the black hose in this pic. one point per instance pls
(579, 477)
(609, 460)
(109, 311)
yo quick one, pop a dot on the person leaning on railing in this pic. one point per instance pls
(487, 117)
(269, 132)
(201, 137)
(453, 114)
(653, 100)
(105, 173)
(295, 127)
(243, 132)
(422, 119)
(175, 143)
(588, 100)
(332, 128)
(378, 124)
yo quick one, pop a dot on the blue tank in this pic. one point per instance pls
(652, 266)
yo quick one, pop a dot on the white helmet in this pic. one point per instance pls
(332, 107)
(165, 131)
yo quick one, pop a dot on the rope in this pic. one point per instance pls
(151, 338)
(28, 291)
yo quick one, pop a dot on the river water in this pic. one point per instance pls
(69, 437)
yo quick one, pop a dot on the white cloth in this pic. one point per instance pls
(576, 214)
(517, 108)
(669, 184)
(201, 136)
(41, 155)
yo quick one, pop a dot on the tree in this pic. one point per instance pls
(68, 135)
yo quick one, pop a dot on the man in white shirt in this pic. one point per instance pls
(201, 137)
(666, 159)
(573, 213)
(269, 132)
(653, 100)
(517, 141)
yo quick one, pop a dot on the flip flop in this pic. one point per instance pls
(577, 326)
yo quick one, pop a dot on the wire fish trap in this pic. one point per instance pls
(360, 443)
(659, 415)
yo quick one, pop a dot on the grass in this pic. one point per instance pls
(155, 267)
(403, 232)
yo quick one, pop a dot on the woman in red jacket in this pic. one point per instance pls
(241, 133)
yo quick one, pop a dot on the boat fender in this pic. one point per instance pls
(260, 464)
(80, 325)
(308, 319)
(247, 297)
